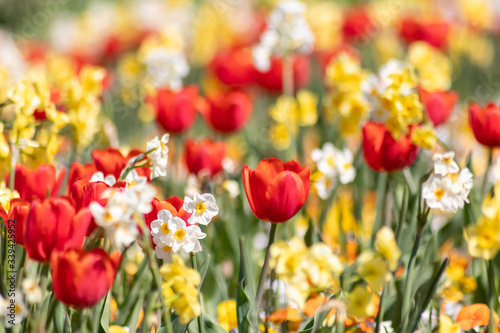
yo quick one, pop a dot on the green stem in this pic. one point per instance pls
(265, 268)
(201, 324)
(493, 294)
(409, 278)
(378, 320)
(380, 218)
(485, 178)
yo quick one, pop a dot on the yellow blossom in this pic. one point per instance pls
(434, 68)
(483, 238)
(386, 245)
(307, 103)
(345, 73)
(424, 136)
(325, 20)
(280, 136)
(226, 312)
(361, 303)
(446, 325)
(4, 145)
(6, 195)
(373, 269)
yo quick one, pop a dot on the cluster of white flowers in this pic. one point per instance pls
(158, 156)
(13, 310)
(173, 234)
(119, 217)
(448, 187)
(331, 163)
(166, 67)
(287, 31)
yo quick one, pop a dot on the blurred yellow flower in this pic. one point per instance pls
(6, 195)
(446, 325)
(424, 137)
(483, 238)
(373, 269)
(361, 303)
(434, 68)
(226, 312)
(386, 245)
(307, 103)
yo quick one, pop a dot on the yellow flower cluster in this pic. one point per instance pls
(362, 302)
(424, 136)
(483, 238)
(375, 266)
(305, 270)
(346, 101)
(226, 312)
(458, 282)
(179, 289)
(434, 67)
(288, 113)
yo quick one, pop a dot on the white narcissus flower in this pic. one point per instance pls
(202, 207)
(326, 159)
(347, 173)
(324, 186)
(166, 67)
(132, 178)
(181, 237)
(140, 196)
(232, 188)
(99, 177)
(159, 227)
(159, 156)
(13, 310)
(445, 163)
(32, 291)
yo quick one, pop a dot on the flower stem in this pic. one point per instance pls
(492, 296)
(201, 324)
(485, 178)
(265, 268)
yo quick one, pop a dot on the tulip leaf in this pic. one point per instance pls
(133, 317)
(203, 270)
(210, 326)
(177, 326)
(105, 315)
(321, 313)
(59, 318)
(243, 307)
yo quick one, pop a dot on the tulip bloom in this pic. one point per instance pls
(435, 33)
(273, 79)
(276, 190)
(36, 184)
(81, 279)
(382, 152)
(110, 161)
(173, 204)
(206, 155)
(18, 212)
(438, 105)
(175, 110)
(53, 225)
(228, 112)
(358, 24)
(78, 171)
(234, 66)
(485, 124)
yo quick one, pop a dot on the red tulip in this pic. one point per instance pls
(205, 155)
(358, 24)
(78, 171)
(175, 110)
(276, 190)
(435, 33)
(485, 123)
(438, 105)
(81, 279)
(234, 66)
(52, 225)
(110, 161)
(37, 184)
(273, 79)
(18, 213)
(228, 112)
(382, 152)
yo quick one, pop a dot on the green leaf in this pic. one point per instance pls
(203, 270)
(210, 326)
(243, 304)
(105, 315)
(59, 318)
(133, 317)
(321, 313)
(178, 327)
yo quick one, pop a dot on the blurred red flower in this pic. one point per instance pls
(272, 80)
(384, 153)
(18, 212)
(433, 32)
(206, 155)
(234, 66)
(228, 111)
(485, 123)
(438, 105)
(38, 183)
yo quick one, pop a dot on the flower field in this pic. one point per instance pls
(250, 166)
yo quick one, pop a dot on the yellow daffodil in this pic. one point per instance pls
(386, 245)
(373, 269)
(361, 303)
(226, 312)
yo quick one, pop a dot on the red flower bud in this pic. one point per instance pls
(228, 112)
(18, 213)
(382, 152)
(81, 279)
(276, 190)
(175, 110)
(52, 225)
(485, 123)
(438, 105)
(205, 155)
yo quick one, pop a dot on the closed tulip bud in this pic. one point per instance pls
(18, 213)
(38, 183)
(81, 279)
(53, 225)
(384, 153)
(272, 80)
(228, 111)
(276, 190)
(206, 155)
(485, 124)
(438, 105)
(175, 110)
